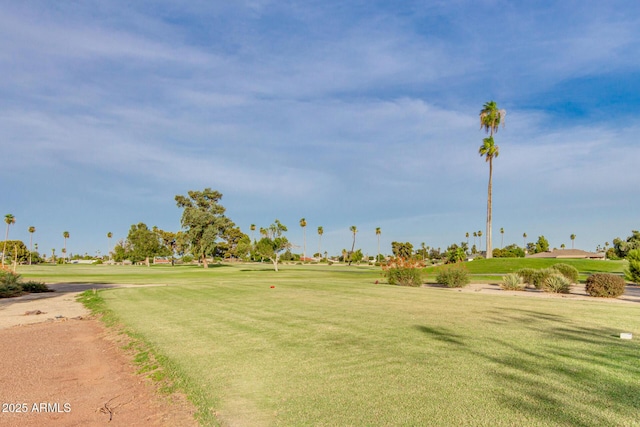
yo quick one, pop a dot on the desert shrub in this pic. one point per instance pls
(526, 274)
(403, 272)
(568, 271)
(34, 287)
(633, 272)
(9, 278)
(11, 285)
(453, 277)
(512, 282)
(10, 290)
(539, 276)
(556, 283)
(605, 285)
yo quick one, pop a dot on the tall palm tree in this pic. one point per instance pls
(32, 230)
(490, 119)
(501, 237)
(467, 236)
(320, 233)
(378, 233)
(480, 240)
(53, 255)
(252, 228)
(303, 224)
(9, 219)
(354, 230)
(524, 238)
(573, 237)
(109, 236)
(475, 235)
(65, 234)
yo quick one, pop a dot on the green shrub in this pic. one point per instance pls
(526, 274)
(10, 290)
(9, 278)
(539, 276)
(11, 285)
(556, 283)
(453, 277)
(568, 271)
(605, 285)
(633, 272)
(401, 272)
(512, 282)
(34, 287)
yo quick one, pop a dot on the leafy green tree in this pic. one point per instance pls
(121, 250)
(632, 273)
(542, 245)
(228, 246)
(357, 256)
(243, 248)
(273, 243)
(622, 247)
(204, 221)
(17, 251)
(490, 119)
(402, 250)
(144, 244)
(9, 220)
(456, 253)
(509, 251)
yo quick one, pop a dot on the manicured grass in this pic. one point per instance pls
(327, 346)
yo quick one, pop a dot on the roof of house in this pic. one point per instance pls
(567, 253)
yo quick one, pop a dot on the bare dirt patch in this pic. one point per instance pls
(69, 370)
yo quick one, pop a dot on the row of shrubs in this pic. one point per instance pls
(12, 285)
(555, 279)
(558, 279)
(408, 272)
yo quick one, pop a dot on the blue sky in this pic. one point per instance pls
(345, 113)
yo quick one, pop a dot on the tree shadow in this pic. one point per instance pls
(542, 379)
(441, 334)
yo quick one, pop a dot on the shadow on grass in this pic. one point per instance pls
(541, 380)
(441, 334)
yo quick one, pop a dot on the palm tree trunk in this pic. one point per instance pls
(489, 253)
(4, 249)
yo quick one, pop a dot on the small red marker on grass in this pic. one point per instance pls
(272, 286)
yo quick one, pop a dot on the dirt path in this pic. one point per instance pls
(73, 372)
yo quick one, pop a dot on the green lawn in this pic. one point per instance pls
(328, 346)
